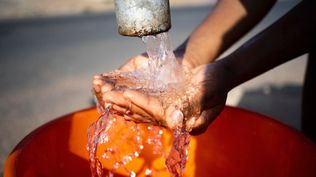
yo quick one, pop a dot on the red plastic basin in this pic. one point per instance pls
(237, 143)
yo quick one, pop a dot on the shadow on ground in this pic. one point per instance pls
(280, 102)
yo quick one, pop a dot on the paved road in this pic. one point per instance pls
(46, 67)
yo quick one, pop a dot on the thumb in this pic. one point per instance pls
(207, 117)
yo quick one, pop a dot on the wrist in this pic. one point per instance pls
(230, 75)
(182, 57)
(193, 55)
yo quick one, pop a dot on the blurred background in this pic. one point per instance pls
(49, 51)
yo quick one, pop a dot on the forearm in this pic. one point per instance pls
(289, 37)
(228, 22)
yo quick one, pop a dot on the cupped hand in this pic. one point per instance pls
(210, 98)
(211, 81)
(135, 106)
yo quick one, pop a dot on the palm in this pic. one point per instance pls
(139, 107)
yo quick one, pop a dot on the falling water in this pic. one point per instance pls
(162, 77)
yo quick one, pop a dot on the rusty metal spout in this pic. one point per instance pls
(142, 17)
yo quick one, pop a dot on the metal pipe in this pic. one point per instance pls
(142, 17)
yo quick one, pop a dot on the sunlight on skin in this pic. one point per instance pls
(140, 107)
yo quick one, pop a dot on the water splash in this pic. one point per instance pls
(162, 77)
(178, 155)
(109, 131)
(163, 66)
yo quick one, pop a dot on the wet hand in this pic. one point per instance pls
(101, 86)
(135, 63)
(210, 99)
(211, 81)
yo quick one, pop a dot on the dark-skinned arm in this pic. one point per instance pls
(227, 23)
(289, 37)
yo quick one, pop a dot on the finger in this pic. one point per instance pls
(97, 76)
(120, 110)
(201, 124)
(132, 109)
(140, 61)
(137, 118)
(132, 116)
(174, 117)
(116, 97)
(207, 116)
(97, 82)
(122, 104)
(101, 85)
(148, 103)
(129, 66)
(106, 87)
(134, 63)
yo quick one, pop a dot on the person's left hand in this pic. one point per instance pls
(210, 100)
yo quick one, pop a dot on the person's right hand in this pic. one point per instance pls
(212, 89)
(209, 99)
(210, 82)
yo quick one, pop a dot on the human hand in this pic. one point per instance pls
(209, 99)
(135, 63)
(211, 81)
(101, 86)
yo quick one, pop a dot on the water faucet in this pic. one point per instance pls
(142, 17)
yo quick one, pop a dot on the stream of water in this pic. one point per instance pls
(162, 77)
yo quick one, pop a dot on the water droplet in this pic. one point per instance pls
(136, 154)
(116, 165)
(127, 158)
(104, 139)
(148, 172)
(132, 174)
(110, 174)
(105, 156)
(160, 132)
(110, 150)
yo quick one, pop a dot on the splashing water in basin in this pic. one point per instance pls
(163, 77)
